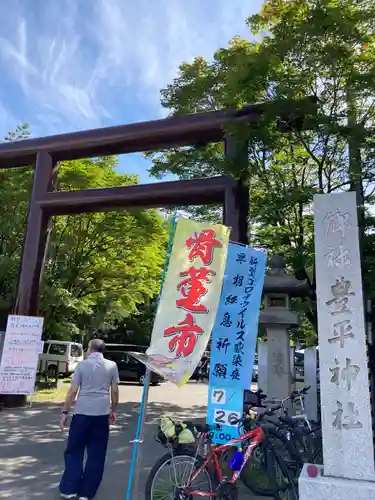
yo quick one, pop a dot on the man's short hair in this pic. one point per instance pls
(97, 345)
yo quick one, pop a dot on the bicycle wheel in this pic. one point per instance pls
(317, 446)
(288, 448)
(308, 442)
(284, 486)
(170, 475)
(268, 473)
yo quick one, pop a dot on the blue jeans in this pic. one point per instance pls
(88, 433)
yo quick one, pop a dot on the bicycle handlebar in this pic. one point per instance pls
(269, 411)
(296, 393)
(299, 392)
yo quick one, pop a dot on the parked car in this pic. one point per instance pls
(60, 357)
(126, 347)
(123, 347)
(130, 369)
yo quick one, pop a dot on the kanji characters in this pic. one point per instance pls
(223, 344)
(231, 299)
(348, 420)
(227, 322)
(336, 222)
(335, 379)
(238, 280)
(220, 370)
(202, 245)
(237, 360)
(337, 422)
(338, 257)
(184, 336)
(341, 331)
(193, 289)
(241, 257)
(348, 374)
(341, 293)
(238, 348)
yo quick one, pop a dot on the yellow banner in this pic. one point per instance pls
(190, 298)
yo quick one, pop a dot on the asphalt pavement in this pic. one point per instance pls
(32, 445)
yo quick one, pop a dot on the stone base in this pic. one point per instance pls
(333, 488)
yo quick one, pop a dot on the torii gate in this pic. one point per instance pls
(201, 128)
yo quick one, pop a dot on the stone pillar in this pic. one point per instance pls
(310, 378)
(262, 366)
(278, 362)
(348, 451)
(277, 318)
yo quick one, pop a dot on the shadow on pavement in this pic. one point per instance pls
(32, 447)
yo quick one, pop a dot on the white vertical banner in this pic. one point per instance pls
(345, 398)
(19, 360)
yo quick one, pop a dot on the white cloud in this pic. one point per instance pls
(151, 41)
(7, 121)
(74, 65)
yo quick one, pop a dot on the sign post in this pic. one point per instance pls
(146, 388)
(21, 349)
(348, 450)
(186, 310)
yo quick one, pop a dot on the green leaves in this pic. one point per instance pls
(99, 267)
(324, 48)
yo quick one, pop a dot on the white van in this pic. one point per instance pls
(60, 357)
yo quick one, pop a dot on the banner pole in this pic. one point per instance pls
(143, 406)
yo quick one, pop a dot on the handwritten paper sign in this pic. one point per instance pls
(225, 407)
(22, 346)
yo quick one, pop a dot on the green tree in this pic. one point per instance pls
(99, 267)
(323, 48)
(15, 187)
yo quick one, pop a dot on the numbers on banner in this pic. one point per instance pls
(226, 417)
(219, 396)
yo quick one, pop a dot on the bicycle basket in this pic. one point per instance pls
(175, 433)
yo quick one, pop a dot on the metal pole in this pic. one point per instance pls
(134, 470)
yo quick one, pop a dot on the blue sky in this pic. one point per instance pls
(69, 65)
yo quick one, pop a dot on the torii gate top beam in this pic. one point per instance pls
(152, 135)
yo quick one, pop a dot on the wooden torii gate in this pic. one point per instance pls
(196, 129)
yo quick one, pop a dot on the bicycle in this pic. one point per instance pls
(295, 442)
(304, 434)
(209, 469)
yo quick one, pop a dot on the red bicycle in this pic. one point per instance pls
(184, 474)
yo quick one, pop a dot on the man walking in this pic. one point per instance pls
(97, 380)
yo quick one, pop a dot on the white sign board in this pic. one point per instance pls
(19, 360)
(344, 385)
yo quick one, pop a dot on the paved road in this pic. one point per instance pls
(32, 445)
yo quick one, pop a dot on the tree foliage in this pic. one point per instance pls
(99, 268)
(323, 48)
